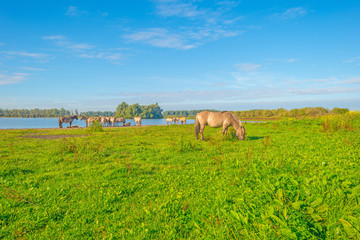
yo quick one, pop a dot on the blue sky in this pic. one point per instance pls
(225, 55)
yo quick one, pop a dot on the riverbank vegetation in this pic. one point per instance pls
(154, 111)
(290, 179)
(293, 113)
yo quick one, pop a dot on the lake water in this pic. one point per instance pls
(15, 123)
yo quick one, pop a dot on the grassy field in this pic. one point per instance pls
(288, 180)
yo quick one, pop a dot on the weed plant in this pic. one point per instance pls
(96, 127)
(293, 179)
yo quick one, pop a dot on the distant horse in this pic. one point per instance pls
(89, 120)
(137, 120)
(216, 120)
(175, 120)
(112, 121)
(85, 119)
(92, 120)
(68, 119)
(169, 120)
(119, 120)
(182, 120)
(105, 121)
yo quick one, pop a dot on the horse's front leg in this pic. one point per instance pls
(225, 129)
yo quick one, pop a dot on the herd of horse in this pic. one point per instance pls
(104, 121)
(213, 119)
(176, 120)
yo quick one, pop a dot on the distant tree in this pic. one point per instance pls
(339, 110)
(145, 111)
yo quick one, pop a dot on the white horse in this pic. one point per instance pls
(169, 120)
(137, 120)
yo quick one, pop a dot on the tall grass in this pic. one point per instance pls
(287, 180)
(344, 122)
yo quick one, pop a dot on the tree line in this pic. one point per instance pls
(35, 113)
(154, 111)
(281, 112)
(185, 113)
(135, 110)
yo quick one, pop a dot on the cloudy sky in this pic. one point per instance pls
(182, 54)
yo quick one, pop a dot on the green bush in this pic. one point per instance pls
(96, 127)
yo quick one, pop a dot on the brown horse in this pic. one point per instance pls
(216, 120)
(175, 119)
(85, 119)
(119, 120)
(89, 120)
(68, 119)
(182, 120)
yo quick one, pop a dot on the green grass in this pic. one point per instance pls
(287, 180)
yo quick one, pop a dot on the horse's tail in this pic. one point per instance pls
(60, 125)
(197, 127)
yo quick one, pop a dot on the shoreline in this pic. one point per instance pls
(73, 128)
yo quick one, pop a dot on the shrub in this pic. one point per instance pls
(333, 123)
(96, 127)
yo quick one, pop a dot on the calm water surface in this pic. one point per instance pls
(14, 123)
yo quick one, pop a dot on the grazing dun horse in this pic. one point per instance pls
(137, 120)
(68, 119)
(182, 120)
(216, 120)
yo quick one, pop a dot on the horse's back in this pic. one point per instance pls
(213, 119)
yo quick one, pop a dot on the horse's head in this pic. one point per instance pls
(75, 117)
(240, 133)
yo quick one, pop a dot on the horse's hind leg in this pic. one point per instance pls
(201, 132)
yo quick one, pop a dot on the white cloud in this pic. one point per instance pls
(351, 60)
(170, 8)
(294, 12)
(159, 37)
(351, 80)
(25, 54)
(13, 79)
(85, 50)
(291, 13)
(33, 69)
(55, 37)
(291, 60)
(183, 39)
(103, 55)
(74, 11)
(80, 46)
(247, 67)
(199, 26)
